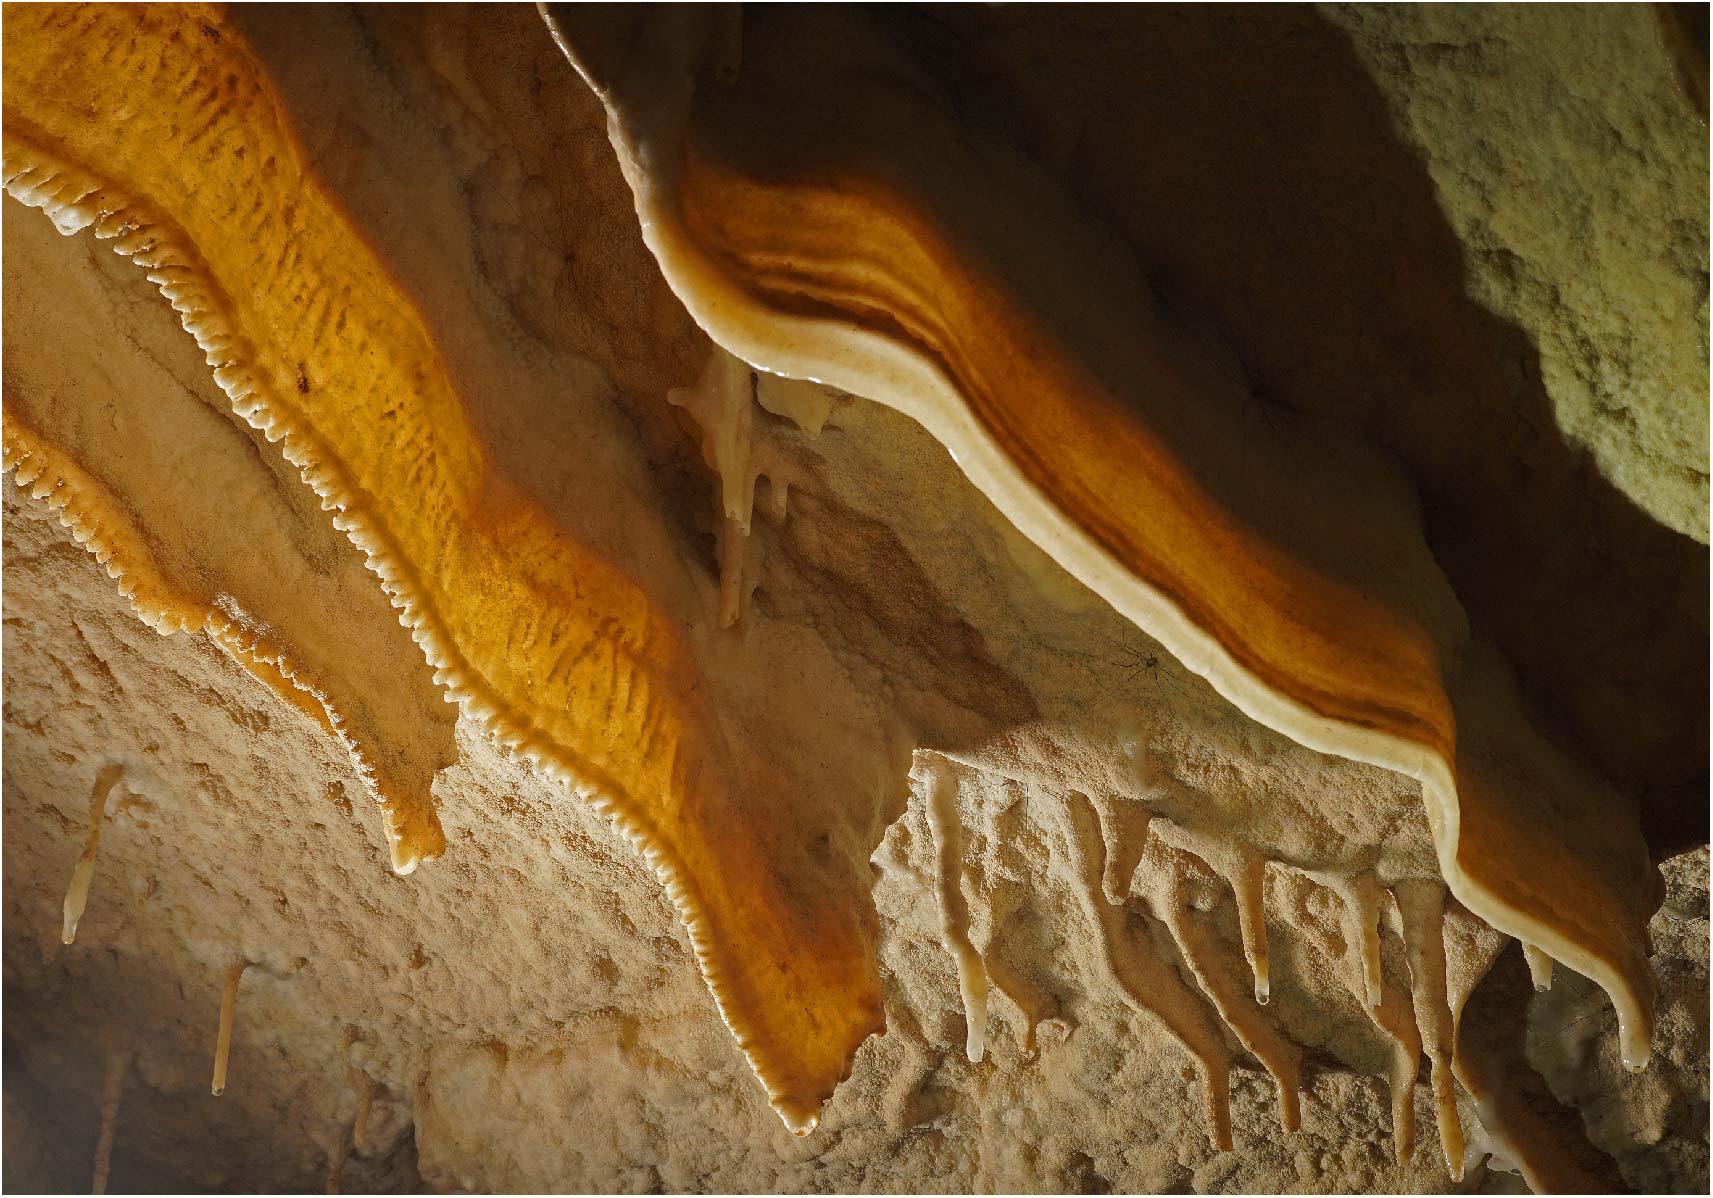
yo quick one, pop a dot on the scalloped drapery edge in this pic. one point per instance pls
(78, 503)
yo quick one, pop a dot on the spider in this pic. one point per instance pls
(1134, 663)
(1599, 1009)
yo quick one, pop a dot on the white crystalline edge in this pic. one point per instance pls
(34, 471)
(37, 180)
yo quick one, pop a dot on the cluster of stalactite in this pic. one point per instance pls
(1119, 854)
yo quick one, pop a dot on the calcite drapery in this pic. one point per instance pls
(113, 438)
(891, 250)
(565, 658)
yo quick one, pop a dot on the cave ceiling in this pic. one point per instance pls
(822, 597)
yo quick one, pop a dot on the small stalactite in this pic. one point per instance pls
(1471, 946)
(228, 1004)
(1396, 1021)
(1421, 906)
(1174, 871)
(1540, 966)
(112, 1089)
(336, 1159)
(1124, 831)
(733, 544)
(1363, 896)
(1387, 1006)
(351, 1139)
(722, 403)
(365, 1103)
(77, 894)
(807, 405)
(1246, 873)
(943, 822)
(1248, 885)
(1147, 982)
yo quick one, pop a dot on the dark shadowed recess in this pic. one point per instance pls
(1683, 33)
(1492, 1039)
(169, 1139)
(1248, 158)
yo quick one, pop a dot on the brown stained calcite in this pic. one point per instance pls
(576, 659)
(878, 247)
(529, 1011)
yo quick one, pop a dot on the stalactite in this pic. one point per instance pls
(733, 547)
(1389, 1009)
(228, 1003)
(1124, 830)
(943, 822)
(1540, 966)
(1245, 872)
(1421, 904)
(1362, 897)
(1392, 1018)
(1147, 983)
(1546, 1142)
(365, 1103)
(336, 1163)
(1173, 870)
(722, 404)
(1032, 1002)
(351, 1139)
(77, 894)
(1395, 1019)
(807, 405)
(1248, 884)
(112, 1089)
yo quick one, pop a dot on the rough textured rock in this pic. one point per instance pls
(1644, 1121)
(529, 1011)
(1543, 209)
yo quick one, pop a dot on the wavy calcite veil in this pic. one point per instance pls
(765, 437)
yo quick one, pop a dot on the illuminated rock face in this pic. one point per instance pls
(1063, 762)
